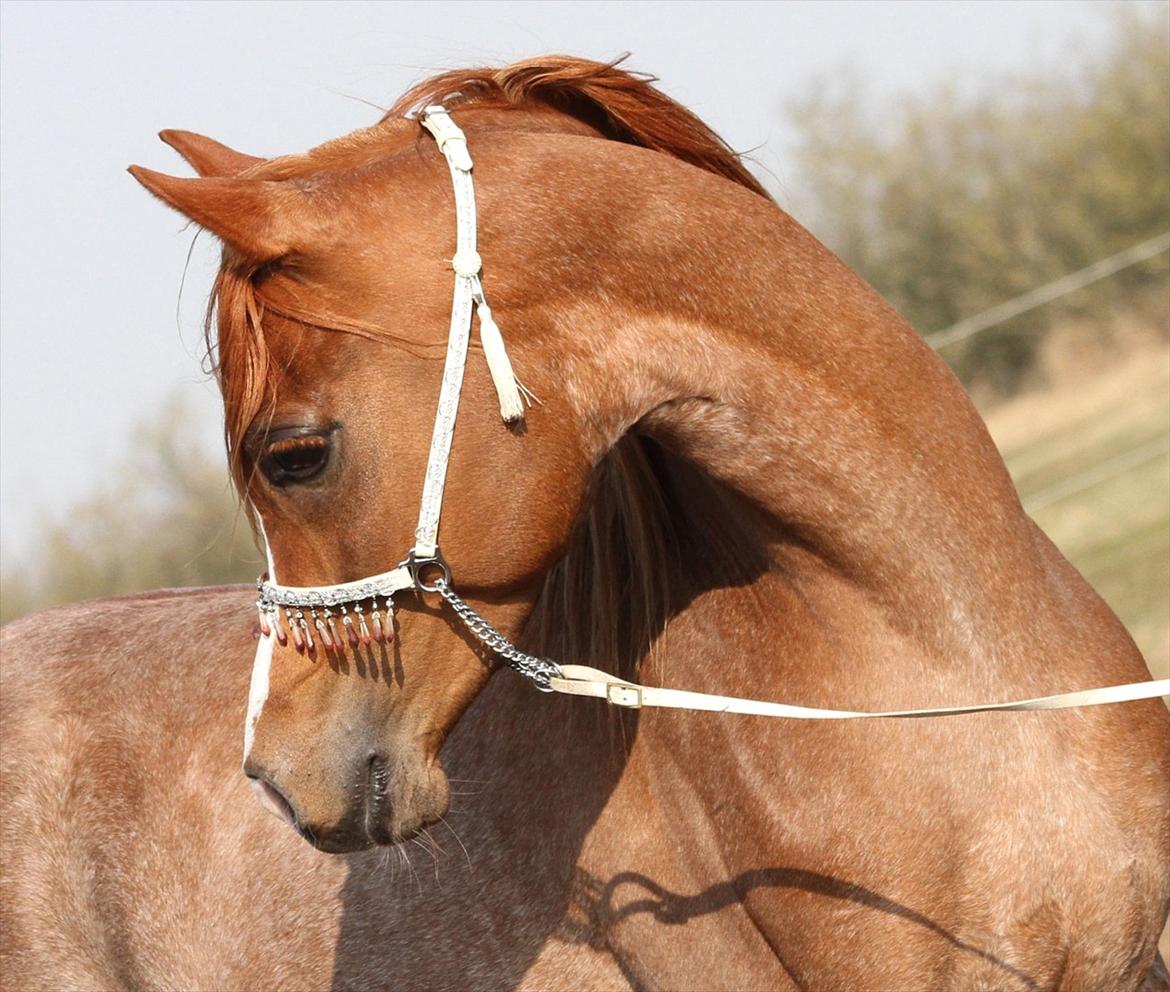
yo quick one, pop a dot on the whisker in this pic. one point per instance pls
(434, 860)
(430, 838)
(406, 858)
(443, 820)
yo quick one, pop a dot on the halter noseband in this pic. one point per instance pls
(310, 611)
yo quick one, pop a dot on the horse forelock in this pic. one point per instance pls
(240, 359)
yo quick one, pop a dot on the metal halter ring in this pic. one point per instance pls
(416, 564)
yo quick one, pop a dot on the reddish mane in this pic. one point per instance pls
(621, 105)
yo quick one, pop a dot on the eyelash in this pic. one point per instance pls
(309, 445)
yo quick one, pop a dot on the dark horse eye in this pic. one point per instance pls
(295, 458)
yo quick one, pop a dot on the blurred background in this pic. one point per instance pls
(999, 171)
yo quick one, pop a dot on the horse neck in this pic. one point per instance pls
(830, 474)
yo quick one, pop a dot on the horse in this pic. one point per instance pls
(743, 474)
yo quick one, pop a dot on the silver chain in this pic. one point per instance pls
(538, 670)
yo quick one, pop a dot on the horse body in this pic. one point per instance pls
(585, 853)
(748, 477)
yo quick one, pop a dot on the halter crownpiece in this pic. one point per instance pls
(315, 613)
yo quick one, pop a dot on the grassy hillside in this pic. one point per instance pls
(1092, 462)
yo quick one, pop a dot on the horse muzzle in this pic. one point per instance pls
(385, 803)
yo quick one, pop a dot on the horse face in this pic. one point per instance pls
(343, 741)
(329, 431)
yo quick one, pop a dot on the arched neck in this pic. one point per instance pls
(859, 467)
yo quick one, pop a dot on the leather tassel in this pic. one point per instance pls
(500, 366)
(278, 627)
(324, 635)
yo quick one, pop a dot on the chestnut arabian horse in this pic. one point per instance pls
(744, 475)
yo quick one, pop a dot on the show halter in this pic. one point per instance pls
(344, 601)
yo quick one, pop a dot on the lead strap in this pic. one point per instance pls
(580, 680)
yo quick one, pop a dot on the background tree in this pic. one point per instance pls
(168, 518)
(956, 201)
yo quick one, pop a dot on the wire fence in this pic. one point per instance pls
(1101, 472)
(1119, 464)
(970, 326)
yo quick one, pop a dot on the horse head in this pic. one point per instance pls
(333, 304)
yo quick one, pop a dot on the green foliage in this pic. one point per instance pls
(955, 201)
(166, 518)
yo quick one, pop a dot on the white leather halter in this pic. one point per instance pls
(352, 604)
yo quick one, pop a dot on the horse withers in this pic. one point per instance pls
(745, 475)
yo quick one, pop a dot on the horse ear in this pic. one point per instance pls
(262, 220)
(206, 156)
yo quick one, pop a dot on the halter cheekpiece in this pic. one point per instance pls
(364, 609)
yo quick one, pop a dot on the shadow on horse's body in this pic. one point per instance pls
(748, 476)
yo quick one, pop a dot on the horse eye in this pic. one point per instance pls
(298, 458)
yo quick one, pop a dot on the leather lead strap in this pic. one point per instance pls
(580, 680)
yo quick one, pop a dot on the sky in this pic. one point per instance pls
(99, 329)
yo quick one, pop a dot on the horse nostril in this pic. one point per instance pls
(271, 798)
(377, 777)
(377, 796)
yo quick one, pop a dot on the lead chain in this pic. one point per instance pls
(538, 670)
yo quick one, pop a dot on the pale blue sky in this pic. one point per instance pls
(90, 266)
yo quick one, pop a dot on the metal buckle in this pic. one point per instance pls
(629, 696)
(416, 564)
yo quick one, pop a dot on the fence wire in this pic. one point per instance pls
(971, 326)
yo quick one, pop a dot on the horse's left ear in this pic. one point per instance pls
(207, 156)
(260, 219)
